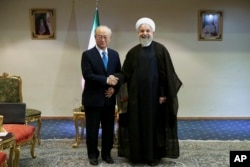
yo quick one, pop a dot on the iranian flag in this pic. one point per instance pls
(92, 43)
(96, 23)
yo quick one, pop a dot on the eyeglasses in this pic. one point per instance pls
(99, 37)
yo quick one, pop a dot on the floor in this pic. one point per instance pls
(187, 129)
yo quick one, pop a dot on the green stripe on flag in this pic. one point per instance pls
(96, 23)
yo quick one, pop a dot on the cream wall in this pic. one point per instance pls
(215, 74)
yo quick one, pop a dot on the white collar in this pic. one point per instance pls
(100, 50)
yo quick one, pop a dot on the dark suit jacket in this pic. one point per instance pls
(95, 77)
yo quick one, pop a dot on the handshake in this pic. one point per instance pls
(112, 80)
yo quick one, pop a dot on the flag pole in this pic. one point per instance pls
(96, 3)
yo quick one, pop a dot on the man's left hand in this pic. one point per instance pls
(162, 99)
(109, 92)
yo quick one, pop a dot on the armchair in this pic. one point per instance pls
(11, 92)
(13, 115)
(3, 159)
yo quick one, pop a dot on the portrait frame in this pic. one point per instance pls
(43, 23)
(210, 25)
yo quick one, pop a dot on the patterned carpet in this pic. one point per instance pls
(59, 153)
(187, 129)
(203, 143)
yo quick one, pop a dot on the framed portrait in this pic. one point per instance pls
(43, 23)
(210, 24)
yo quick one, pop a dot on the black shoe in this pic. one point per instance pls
(108, 159)
(93, 161)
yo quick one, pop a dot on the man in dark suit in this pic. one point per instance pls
(98, 97)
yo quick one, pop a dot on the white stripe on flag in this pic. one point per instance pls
(92, 43)
(94, 26)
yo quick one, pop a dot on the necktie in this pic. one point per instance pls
(105, 59)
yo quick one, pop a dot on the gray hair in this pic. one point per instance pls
(104, 27)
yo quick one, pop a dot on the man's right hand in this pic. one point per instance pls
(112, 80)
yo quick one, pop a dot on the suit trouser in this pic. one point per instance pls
(96, 116)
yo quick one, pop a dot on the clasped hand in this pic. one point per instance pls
(112, 80)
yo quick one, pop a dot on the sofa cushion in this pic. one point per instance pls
(30, 112)
(22, 133)
(3, 158)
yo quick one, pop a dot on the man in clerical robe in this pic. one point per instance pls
(148, 127)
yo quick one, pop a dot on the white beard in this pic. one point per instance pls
(145, 41)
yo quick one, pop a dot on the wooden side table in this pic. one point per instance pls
(78, 117)
(8, 142)
(116, 130)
